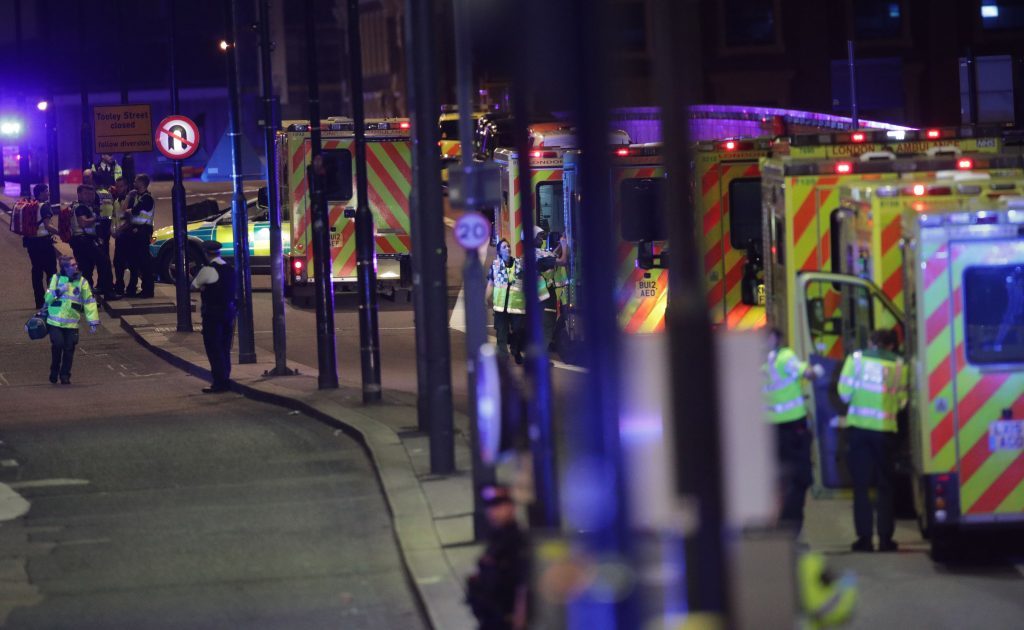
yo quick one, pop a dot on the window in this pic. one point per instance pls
(629, 30)
(877, 19)
(749, 23)
(999, 15)
(449, 129)
(642, 214)
(745, 213)
(994, 314)
(550, 216)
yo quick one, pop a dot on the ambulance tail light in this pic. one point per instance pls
(942, 497)
(404, 125)
(729, 145)
(965, 164)
(843, 168)
(623, 152)
(918, 190)
(857, 137)
(536, 154)
(933, 134)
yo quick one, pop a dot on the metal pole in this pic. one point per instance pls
(327, 359)
(366, 247)
(544, 512)
(83, 61)
(972, 85)
(183, 300)
(851, 62)
(474, 282)
(694, 385)
(429, 238)
(23, 145)
(239, 213)
(53, 163)
(127, 160)
(274, 200)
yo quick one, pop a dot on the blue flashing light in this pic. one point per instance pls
(894, 11)
(990, 11)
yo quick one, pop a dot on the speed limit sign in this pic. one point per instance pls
(472, 230)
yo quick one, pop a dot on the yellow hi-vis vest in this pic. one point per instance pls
(784, 399)
(67, 300)
(515, 288)
(500, 297)
(874, 384)
(825, 603)
(106, 201)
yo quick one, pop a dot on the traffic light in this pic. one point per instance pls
(337, 175)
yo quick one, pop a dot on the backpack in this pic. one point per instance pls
(64, 221)
(25, 217)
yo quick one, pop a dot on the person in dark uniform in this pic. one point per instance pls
(497, 592)
(216, 281)
(142, 208)
(40, 248)
(121, 232)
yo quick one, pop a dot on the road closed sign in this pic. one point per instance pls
(177, 137)
(122, 128)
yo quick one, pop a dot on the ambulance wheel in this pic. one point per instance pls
(167, 265)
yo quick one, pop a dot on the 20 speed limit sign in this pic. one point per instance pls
(472, 230)
(177, 137)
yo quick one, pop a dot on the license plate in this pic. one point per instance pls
(335, 239)
(1006, 435)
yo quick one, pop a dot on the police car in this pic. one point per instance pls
(216, 226)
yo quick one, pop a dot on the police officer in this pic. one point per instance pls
(873, 383)
(544, 296)
(83, 230)
(506, 306)
(548, 261)
(140, 264)
(786, 410)
(120, 225)
(216, 281)
(497, 591)
(41, 252)
(106, 172)
(68, 298)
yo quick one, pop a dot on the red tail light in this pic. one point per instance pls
(932, 134)
(857, 137)
(404, 125)
(297, 265)
(730, 146)
(842, 168)
(965, 164)
(919, 190)
(623, 152)
(536, 154)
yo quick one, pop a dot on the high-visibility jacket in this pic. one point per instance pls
(784, 399)
(67, 300)
(501, 296)
(874, 384)
(106, 201)
(143, 217)
(76, 228)
(549, 275)
(560, 284)
(516, 288)
(825, 603)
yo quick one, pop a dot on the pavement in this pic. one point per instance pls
(431, 514)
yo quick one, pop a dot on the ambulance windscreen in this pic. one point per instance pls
(550, 215)
(994, 314)
(641, 209)
(745, 212)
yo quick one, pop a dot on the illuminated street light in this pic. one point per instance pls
(224, 45)
(42, 105)
(10, 128)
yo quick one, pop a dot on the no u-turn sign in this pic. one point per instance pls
(177, 137)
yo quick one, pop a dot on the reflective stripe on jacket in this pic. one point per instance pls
(874, 384)
(67, 300)
(784, 399)
(502, 301)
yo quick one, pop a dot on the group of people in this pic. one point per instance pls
(506, 294)
(873, 385)
(104, 210)
(66, 287)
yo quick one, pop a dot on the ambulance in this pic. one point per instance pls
(963, 338)
(389, 170)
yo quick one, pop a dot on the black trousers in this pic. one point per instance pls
(140, 263)
(122, 248)
(43, 257)
(503, 331)
(83, 246)
(218, 334)
(871, 463)
(793, 443)
(62, 350)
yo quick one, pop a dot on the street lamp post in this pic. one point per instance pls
(181, 279)
(239, 213)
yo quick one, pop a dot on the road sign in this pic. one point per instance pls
(177, 137)
(472, 230)
(122, 128)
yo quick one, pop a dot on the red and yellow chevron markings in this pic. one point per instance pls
(641, 294)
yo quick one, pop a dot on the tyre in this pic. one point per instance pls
(167, 265)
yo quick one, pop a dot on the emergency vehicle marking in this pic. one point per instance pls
(638, 311)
